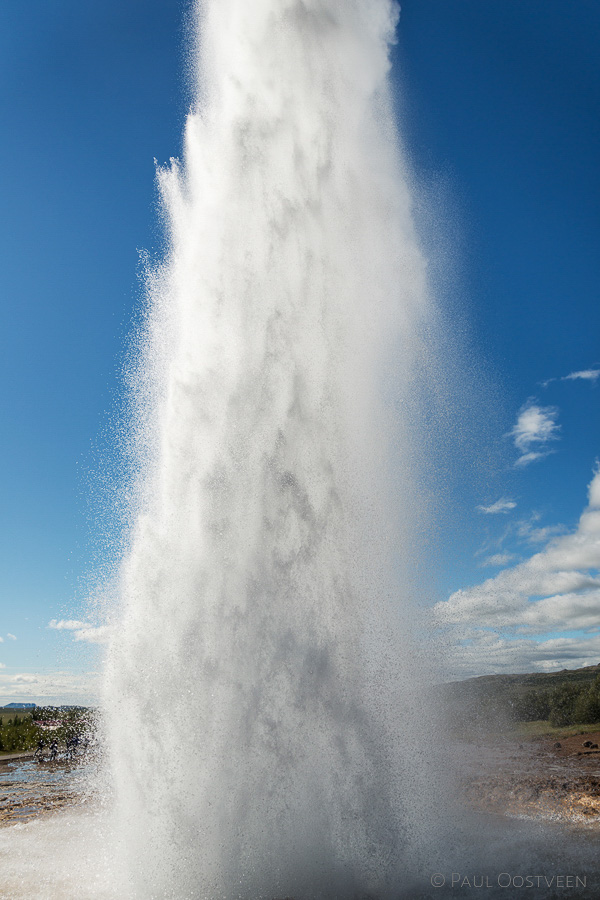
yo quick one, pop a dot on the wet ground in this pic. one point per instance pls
(29, 789)
(530, 814)
(538, 778)
(542, 778)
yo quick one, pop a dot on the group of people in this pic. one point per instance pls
(73, 745)
(41, 746)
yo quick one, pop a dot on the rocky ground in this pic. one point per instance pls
(29, 789)
(546, 777)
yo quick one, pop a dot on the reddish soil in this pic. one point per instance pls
(573, 748)
(547, 777)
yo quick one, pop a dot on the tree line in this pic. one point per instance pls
(566, 704)
(17, 734)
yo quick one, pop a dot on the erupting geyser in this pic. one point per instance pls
(254, 681)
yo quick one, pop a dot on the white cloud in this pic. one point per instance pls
(11, 636)
(66, 624)
(82, 631)
(555, 590)
(533, 535)
(579, 611)
(502, 505)
(498, 559)
(486, 653)
(584, 375)
(535, 426)
(1, 640)
(2, 666)
(532, 456)
(49, 688)
(594, 493)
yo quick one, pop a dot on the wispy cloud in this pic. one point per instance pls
(498, 559)
(535, 424)
(534, 428)
(584, 375)
(555, 590)
(530, 457)
(11, 636)
(66, 624)
(82, 631)
(503, 505)
(538, 535)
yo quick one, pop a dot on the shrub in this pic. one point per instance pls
(563, 701)
(532, 706)
(587, 706)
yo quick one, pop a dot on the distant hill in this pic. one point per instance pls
(496, 685)
(568, 697)
(20, 706)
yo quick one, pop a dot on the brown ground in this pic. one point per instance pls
(25, 798)
(529, 778)
(545, 777)
(573, 748)
(30, 805)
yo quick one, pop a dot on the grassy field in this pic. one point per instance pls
(543, 728)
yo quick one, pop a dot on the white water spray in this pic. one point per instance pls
(251, 701)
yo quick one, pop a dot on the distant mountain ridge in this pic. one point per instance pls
(20, 706)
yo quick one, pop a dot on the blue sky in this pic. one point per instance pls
(501, 120)
(499, 105)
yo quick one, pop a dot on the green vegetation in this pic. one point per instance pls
(17, 732)
(532, 730)
(20, 731)
(569, 703)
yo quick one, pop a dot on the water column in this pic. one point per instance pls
(257, 675)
